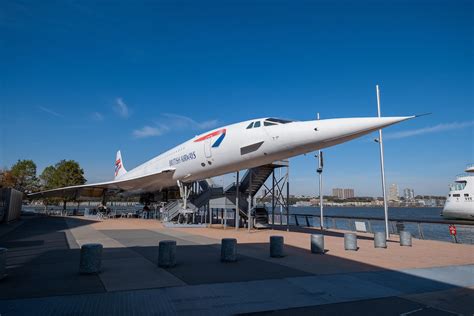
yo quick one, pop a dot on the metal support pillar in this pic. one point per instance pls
(382, 168)
(321, 195)
(225, 211)
(249, 209)
(210, 214)
(288, 203)
(273, 198)
(237, 193)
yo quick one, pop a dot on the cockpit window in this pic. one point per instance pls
(276, 120)
(250, 125)
(267, 123)
(257, 124)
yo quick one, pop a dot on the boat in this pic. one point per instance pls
(460, 202)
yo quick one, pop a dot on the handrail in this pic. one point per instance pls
(422, 229)
(428, 221)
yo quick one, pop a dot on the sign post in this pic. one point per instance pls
(453, 233)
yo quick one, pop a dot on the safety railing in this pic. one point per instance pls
(421, 229)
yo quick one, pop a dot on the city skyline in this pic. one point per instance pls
(82, 85)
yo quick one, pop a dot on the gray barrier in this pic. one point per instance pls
(229, 250)
(3, 262)
(167, 253)
(380, 240)
(350, 241)
(405, 238)
(276, 246)
(91, 259)
(317, 243)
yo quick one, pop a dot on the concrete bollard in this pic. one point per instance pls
(317, 243)
(167, 253)
(380, 241)
(350, 241)
(276, 246)
(91, 259)
(405, 238)
(3, 262)
(229, 250)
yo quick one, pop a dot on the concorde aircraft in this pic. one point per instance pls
(228, 149)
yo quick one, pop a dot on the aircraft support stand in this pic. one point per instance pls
(237, 193)
(249, 209)
(276, 188)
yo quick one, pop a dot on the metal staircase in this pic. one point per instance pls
(252, 182)
(204, 193)
(207, 192)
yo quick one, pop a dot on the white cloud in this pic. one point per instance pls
(49, 111)
(172, 122)
(431, 129)
(181, 120)
(121, 108)
(149, 131)
(96, 116)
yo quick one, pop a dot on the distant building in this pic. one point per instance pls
(393, 194)
(348, 193)
(343, 193)
(409, 194)
(338, 192)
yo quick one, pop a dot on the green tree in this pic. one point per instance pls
(65, 173)
(48, 178)
(68, 172)
(24, 173)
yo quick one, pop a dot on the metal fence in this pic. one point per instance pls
(432, 230)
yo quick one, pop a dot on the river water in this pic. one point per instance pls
(420, 213)
(375, 221)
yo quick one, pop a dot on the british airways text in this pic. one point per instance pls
(183, 158)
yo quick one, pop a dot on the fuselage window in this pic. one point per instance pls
(250, 125)
(257, 124)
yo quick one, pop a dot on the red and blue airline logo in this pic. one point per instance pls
(118, 165)
(218, 141)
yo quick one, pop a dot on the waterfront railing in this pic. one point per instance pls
(421, 229)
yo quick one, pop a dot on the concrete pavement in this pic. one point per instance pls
(44, 256)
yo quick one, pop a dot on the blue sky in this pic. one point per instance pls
(80, 80)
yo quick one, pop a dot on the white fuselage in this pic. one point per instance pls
(460, 201)
(237, 147)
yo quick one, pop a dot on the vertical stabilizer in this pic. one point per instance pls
(119, 168)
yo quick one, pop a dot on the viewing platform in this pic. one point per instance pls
(431, 277)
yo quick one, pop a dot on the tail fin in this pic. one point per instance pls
(119, 168)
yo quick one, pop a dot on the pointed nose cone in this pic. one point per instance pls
(344, 129)
(377, 123)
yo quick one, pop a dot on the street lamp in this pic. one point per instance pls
(382, 168)
(320, 172)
